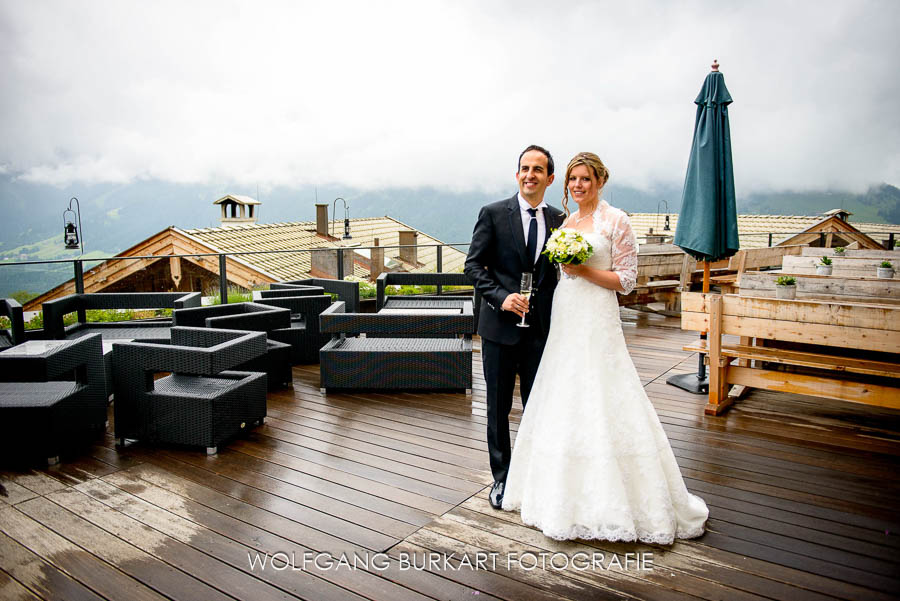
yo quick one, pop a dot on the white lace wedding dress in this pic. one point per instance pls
(591, 459)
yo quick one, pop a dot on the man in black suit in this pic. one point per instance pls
(508, 239)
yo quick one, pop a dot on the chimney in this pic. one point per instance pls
(322, 219)
(324, 263)
(409, 254)
(841, 214)
(376, 263)
(238, 209)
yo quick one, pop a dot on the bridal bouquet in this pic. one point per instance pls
(567, 246)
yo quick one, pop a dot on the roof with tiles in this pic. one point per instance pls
(302, 236)
(753, 230)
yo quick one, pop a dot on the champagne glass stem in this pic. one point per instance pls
(525, 290)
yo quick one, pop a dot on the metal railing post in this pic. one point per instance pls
(770, 239)
(223, 280)
(340, 265)
(891, 241)
(440, 267)
(79, 286)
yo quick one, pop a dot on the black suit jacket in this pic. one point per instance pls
(495, 264)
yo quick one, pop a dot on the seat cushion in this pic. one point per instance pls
(35, 394)
(193, 386)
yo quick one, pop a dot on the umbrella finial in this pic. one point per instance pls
(715, 65)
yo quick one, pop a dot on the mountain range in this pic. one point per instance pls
(115, 217)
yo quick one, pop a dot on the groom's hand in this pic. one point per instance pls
(516, 303)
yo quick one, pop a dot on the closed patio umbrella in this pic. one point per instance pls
(707, 223)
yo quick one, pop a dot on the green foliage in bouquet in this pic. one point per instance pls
(886, 265)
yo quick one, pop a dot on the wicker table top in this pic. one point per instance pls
(421, 311)
(34, 348)
(403, 345)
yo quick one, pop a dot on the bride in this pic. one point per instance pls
(591, 459)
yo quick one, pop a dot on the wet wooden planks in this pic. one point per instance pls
(803, 497)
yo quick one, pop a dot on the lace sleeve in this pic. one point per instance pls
(624, 252)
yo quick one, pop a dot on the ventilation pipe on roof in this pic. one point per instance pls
(322, 219)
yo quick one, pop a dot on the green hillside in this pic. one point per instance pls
(36, 279)
(879, 204)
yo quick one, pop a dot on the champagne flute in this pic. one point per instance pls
(525, 290)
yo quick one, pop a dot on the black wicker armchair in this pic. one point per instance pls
(348, 292)
(12, 310)
(422, 362)
(200, 403)
(51, 393)
(303, 334)
(253, 317)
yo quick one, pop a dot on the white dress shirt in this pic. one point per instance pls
(541, 224)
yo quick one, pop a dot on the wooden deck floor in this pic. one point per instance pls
(803, 494)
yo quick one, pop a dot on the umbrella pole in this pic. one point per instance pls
(695, 383)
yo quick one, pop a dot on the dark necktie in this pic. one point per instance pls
(531, 246)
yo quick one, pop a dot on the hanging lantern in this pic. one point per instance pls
(71, 237)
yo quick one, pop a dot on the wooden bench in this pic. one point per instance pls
(854, 264)
(664, 270)
(825, 287)
(832, 326)
(853, 253)
(753, 258)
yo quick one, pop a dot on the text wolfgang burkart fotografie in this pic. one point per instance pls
(435, 562)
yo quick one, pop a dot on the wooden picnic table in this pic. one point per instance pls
(823, 348)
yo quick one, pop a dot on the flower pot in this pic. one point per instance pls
(886, 272)
(786, 292)
(823, 269)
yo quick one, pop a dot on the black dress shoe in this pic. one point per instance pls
(496, 496)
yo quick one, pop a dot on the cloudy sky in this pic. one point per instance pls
(377, 94)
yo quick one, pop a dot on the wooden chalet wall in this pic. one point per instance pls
(155, 271)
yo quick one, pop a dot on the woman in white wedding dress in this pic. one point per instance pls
(591, 459)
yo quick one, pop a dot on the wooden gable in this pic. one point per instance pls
(837, 233)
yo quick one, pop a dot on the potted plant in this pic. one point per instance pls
(839, 251)
(785, 287)
(886, 270)
(824, 267)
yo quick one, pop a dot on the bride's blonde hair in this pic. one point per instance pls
(592, 162)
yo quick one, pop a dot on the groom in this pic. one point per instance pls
(508, 239)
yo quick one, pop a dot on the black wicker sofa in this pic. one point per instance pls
(56, 309)
(365, 352)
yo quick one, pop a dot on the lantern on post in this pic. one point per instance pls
(346, 235)
(71, 237)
